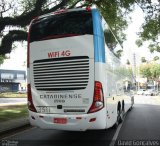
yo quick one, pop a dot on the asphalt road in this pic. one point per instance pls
(140, 127)
(38, 137)
(142, 123)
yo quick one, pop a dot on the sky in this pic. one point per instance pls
(18, 55)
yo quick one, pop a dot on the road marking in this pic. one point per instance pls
(21, 132)
(116, 133)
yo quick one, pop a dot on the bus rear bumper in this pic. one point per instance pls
(74, 122)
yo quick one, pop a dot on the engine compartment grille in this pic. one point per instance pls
(66, 73)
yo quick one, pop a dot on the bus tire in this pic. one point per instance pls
(123, 111)
(119, 119)
(132, 103)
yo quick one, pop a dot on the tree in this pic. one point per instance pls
(145, 71)
(30, 10)
(150, 71)
(151, 26)
(25, 11)
(156, 58)
(139, 42)
(128, 62)
(2, 58)
(118, 54)
(33, 8)
(16, 16)
(155, 71)
(143, 60)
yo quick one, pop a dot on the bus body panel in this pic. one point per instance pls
(99, 49)
(62, 47)
(82, 123)
(82, 99)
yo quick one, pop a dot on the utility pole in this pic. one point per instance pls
(134, 70)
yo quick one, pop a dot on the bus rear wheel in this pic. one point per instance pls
(119, 119)
(132, 103)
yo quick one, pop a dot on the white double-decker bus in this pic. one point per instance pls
(75, 82)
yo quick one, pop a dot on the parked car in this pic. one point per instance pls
(140, 91)
(150, 92)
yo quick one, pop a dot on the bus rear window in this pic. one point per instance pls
(62, 25)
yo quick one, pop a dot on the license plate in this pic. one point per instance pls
(60, 120)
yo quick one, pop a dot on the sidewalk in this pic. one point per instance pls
(13, 124)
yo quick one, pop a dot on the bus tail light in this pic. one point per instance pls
(98, 99)
(30, 102)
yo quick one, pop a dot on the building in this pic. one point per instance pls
(12, 80)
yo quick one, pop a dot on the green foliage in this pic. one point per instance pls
(2, 58)
(118, 54)
(27, 5)
(129, 72)
(150, 71)
(126, 72)
(128, 62)
(156, 58)
(114, 11)
(151, 30)
(143, 59)
(12, 36)
(155, 71)
(151, 47)
(115, 17)
(145, 71)
(25, 11)
(154, 47)
(151, 26)
(139, 43)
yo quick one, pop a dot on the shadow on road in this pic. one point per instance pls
(39, 137)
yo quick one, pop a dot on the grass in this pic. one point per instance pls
(13, 95)
(13, 112)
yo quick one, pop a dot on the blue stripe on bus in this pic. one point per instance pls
(99, 48)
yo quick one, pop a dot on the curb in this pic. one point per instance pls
(13, 128)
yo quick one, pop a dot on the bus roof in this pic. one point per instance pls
(63, 11)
